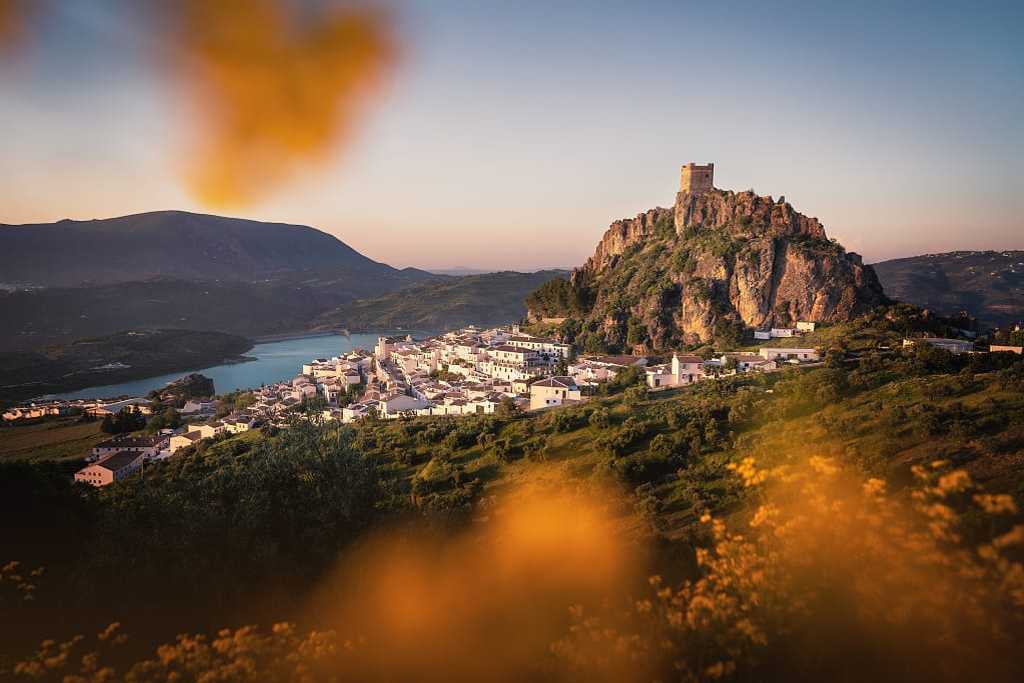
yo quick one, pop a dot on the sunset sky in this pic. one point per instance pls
(512, 133)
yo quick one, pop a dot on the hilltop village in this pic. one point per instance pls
(463, 372)
(469, 371)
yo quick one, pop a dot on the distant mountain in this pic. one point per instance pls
(177, 245)
(987, 284)
(487, 299)
(73, 279)
(460, 271)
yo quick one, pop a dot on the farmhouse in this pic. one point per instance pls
(111, 468)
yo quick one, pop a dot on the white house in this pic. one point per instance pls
(805, 326)
(553, 391)
(781, 355)
(543, 345)
(211, 430)
(394, 406)
(239, 424)
(355, 411)
(183, 440)
(592, 369)
(683, 370)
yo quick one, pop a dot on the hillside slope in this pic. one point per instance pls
(487, 299)
(178, 245)
(72, 279)
(114, 358)
(989, 285)
(712, 268)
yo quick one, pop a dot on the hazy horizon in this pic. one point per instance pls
(503, 127)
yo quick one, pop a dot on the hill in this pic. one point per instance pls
(63, 314)
(709, 270)
(176, 245)
(114, 358)
(73, 279)
(989, 285)
(485, 299)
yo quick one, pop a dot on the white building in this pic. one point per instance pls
(147, 446)
(110, 468)
(594, 369)
(179, 441)
(683, 370)
(553, 391)
(542, 345)
(782, 355)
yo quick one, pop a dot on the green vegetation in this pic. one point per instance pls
(488, 299)
(66, 438)
(266, 514)
(127, 420)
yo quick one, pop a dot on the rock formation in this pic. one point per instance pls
(716, 265)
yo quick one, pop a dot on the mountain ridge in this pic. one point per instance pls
(987, 284)
(176, 245)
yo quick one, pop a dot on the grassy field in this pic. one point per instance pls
(60, 439)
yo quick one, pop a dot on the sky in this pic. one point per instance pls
(510, 134)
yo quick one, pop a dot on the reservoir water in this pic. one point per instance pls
(275, 361)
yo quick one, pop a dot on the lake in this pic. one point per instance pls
(275, 361)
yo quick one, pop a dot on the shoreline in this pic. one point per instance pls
(289, 336)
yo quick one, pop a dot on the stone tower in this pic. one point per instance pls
(694, 178)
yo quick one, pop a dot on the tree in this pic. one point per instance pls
(508, 408)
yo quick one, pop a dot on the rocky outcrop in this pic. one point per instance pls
(624, 233)
(743, 214)
(716, 263)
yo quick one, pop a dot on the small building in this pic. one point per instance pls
(794, 354)
(999, 348)
(192, 407)
(805, 326)
(683, 370)
(208, 431)
(781, 332)
(762, 334)
(553, 391)
(239, 424)
(110, 468)
(148, 446)
(179, 441)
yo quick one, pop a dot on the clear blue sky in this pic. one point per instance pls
(512, 133)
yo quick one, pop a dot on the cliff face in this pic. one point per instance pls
(713, 266)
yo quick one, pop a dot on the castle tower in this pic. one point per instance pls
(694, 178)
